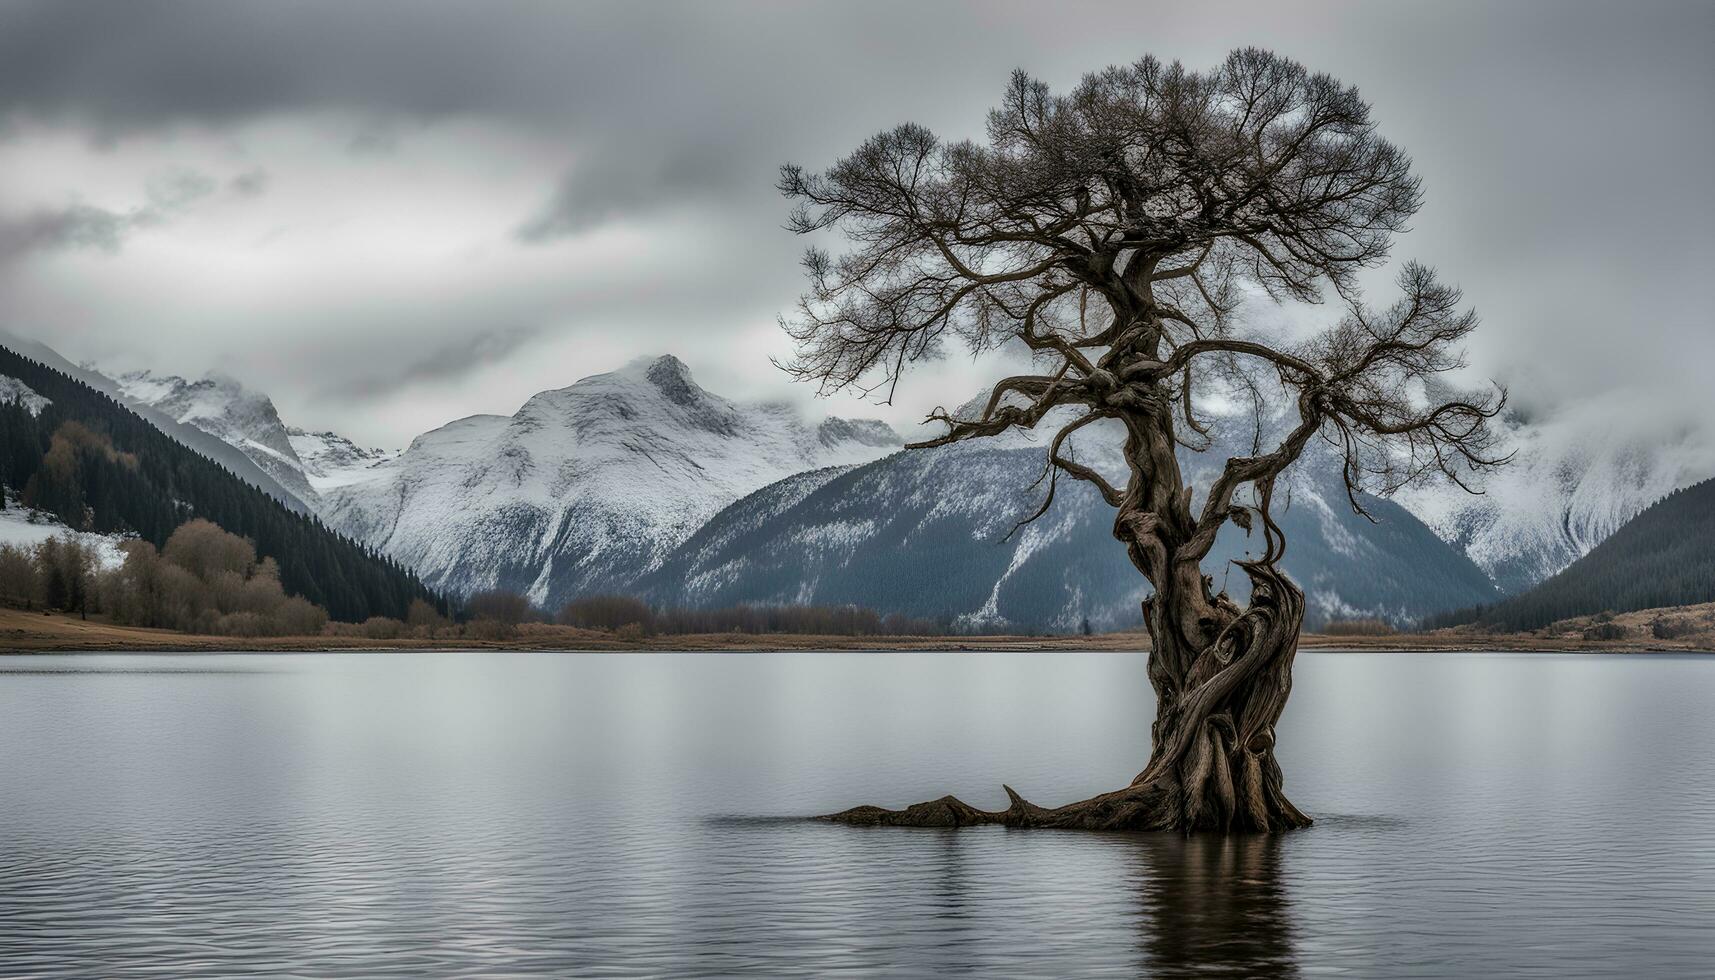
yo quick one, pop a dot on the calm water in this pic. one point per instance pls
(581, 814)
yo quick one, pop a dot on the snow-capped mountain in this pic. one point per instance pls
(189, 436)
(1665, 556)
(589, 487)
(331, 460)
(921, 532)
(585, 487)
(1577, 477)
(232, 413)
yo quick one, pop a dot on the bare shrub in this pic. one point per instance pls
(490, 629)
(502, 606)
(382, 628)
(606, 612)
(19, 584)
(423, 619)
(298, 616)
(205, 550)
(1678, 627)
(243, 624)
(1606, 630)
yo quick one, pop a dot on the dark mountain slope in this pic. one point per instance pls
(1665, 556)
(919, 533)
(207, 445)
(98, 466)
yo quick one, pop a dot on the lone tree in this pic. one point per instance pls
(1119, 232)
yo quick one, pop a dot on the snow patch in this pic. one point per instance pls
(13, 390)
(24, 528)
(1575, 479)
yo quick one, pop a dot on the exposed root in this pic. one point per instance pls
(1132, 808)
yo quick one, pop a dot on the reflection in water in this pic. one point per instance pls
(1213, 906)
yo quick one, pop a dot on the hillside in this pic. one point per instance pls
(24, 528)
(921, 533)
(585, 487)
(98, 466)
(304, 463)
(229, 457)
(224, 408)
(1576, 478)
(1663, 557)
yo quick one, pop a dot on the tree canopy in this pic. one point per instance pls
(1115, 232)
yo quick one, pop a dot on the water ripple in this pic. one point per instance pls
(581, 816)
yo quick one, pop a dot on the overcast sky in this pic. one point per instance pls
(387, 216)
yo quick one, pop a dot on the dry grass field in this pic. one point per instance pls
(1685, 628)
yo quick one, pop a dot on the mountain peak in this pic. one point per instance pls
(221, 406)
(587, 486)
(670, 374)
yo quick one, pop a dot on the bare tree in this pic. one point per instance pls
(1119, 232)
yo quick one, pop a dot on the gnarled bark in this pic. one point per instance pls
(1212, 765)
(1113, 233)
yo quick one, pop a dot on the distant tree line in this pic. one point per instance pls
(1370, 626)
(617, 612)
(1463, 616)
(96, 466)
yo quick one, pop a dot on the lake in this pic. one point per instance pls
(567, 814)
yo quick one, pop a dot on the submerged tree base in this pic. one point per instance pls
(1212, 765)
(1132, 808)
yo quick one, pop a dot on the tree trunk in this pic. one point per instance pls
(1212, 765)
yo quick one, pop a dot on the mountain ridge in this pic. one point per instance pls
(925, 532)
(98, 465)
(1665, 556)
(1572, 485)
(1575, 480)
(227, 410)
(585, 486)
(200, 442)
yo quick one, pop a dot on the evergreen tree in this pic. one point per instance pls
(95, 465)
(1663, 557)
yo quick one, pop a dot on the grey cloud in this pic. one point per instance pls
(178, 189)
(608, 185)
(1561, 143)
(457, 354)
(655, 101)
(80, 226)
(120, 67)
(468, 353)
(85, 226)
(250, 183)
(402, 344)
(374, 139)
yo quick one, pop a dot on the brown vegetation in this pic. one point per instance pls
(34, 631)
(204, 581)
(1358, 627)
(614, 612)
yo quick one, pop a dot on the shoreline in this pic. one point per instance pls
(26, 633)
